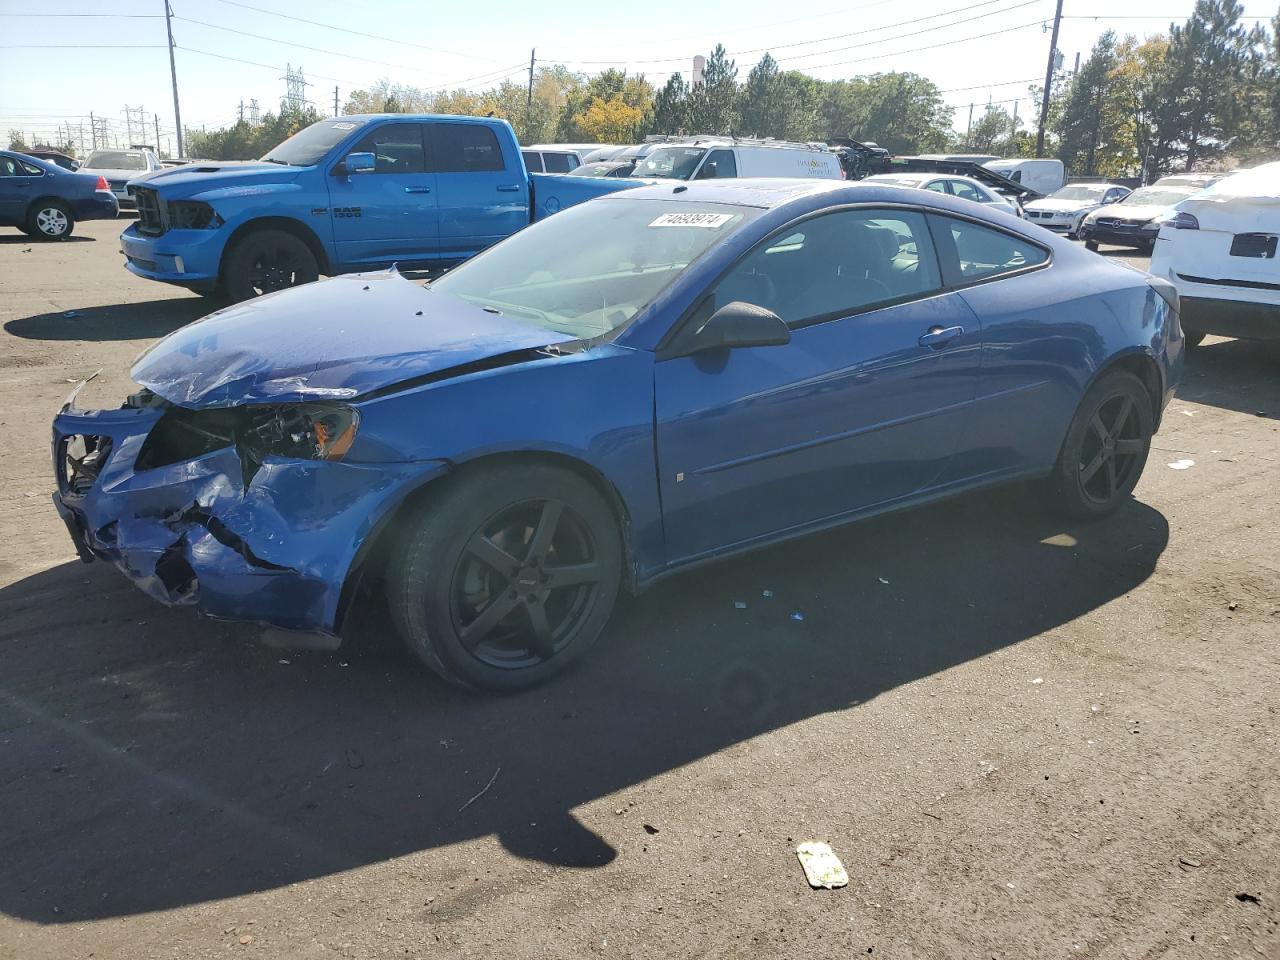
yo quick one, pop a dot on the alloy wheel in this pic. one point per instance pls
(275, 269)
(526, 580)
(52, 222)
(1113, 448)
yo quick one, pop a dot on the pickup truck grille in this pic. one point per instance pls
(151, 218)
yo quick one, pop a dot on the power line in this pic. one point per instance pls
(120, 16)
(984, 86)
(82, 46)
(357, 33)
(932, 46)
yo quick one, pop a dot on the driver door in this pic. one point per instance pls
(863, 407)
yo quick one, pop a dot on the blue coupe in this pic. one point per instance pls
(641, 383)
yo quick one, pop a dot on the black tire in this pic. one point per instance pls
(1105, 449)
(1147, 248)
(50, 220)
(1091, 245)
(266, 261)
(1193, 338)
(476, 576)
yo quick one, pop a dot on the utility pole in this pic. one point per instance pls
(93, 129)
(157, 123)
(173, 73)
(1013, 134)
(335, 99)
(1048, 80)
(969, 129)
(241, 120)
(528, 103)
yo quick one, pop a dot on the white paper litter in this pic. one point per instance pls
(822, 868)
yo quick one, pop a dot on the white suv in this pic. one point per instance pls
(1219, 250)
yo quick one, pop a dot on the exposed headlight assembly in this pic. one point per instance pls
(305, 431)
(192, 215)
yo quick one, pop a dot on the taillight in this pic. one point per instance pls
(102, 184)
(1183, 221)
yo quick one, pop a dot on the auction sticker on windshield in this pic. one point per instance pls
(712, 220)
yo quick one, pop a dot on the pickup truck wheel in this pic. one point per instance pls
(507, 577)
(266, 261)
(50, 220)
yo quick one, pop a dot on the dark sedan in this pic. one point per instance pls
(44, 201)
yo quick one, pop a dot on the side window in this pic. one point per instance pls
(558, 162)
(9, 167)
(29, 169)
(965, 192)
(836, 265)
(982, 252)
(937, 186)
(465, 148)
(532, 160)
(726, 166)
(396, 148)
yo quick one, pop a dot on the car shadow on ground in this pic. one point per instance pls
(12, 238)
(152, 760)
(118, 321)
(1240, 375)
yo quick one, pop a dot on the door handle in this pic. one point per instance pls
(939, 337)
(417, 189)
(508, 187)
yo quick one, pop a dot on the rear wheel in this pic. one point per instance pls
(50, 220)
(507, 577)
(266, 261)
(1106, 447)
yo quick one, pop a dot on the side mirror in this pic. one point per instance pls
(359, 163)
(738, 324)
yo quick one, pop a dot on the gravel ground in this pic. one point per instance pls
(1024, 738)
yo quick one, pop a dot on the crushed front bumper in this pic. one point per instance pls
(277, 550)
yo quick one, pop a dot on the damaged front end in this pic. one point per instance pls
(249, 512)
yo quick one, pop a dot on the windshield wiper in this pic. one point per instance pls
(274, 160)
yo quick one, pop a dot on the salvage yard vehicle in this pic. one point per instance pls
(44, 201)
(1135, 220)
(121, 166)
(709, 158)
(1219, 249)
(1043, 175)
(1064, 210)
(642, 383)
(556, 157)
(963, 187)
(345, 194)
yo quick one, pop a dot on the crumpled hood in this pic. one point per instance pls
(334, 339)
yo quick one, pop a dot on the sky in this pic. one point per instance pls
(61, 68)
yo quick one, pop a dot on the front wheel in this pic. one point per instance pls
(1106, 447)
(266, 261)
(50, 220)
(507, 577)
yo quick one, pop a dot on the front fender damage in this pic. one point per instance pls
(273, 545)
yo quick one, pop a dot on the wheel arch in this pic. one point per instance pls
(374, 551)
(287, 224)
(1143, 366)
(45, 198)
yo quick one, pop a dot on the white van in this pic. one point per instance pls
(706, 158)
(1042, 176)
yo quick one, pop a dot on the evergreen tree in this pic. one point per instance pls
(671, 107)
(713, 103)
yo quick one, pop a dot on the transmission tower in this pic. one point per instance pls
(295, 97)
(253, 112)
(135, 121)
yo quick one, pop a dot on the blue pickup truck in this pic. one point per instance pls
(351, 193)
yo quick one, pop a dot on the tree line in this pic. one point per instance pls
(1203, 93)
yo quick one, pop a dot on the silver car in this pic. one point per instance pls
(119, 167)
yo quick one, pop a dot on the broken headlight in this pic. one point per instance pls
(192, 215)
(312, 431)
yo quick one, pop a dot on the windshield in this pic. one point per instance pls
(116, 160)
(590, 269)
(308, 146)
(1159, 196)
(670, 163)
(1079, 192)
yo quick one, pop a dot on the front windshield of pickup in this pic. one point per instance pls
(670, 163)
(589, 269)
(310, 145)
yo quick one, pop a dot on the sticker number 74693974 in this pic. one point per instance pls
(707, 220)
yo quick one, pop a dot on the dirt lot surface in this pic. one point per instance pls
(1025, 739)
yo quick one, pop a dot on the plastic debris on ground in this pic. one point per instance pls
(766, 593)
(739, 605)
(797, 615)
(1183, 464)
(1038, 680)
(822, 868)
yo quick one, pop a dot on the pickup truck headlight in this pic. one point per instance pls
(193, 215)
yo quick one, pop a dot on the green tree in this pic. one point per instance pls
(766, 103)
(17, 141)
(1090, 128)
(903, 112)
(713, 102)
(671, 107)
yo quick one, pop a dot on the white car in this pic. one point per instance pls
(707, 158)
(119, 167)
(957, 186)
(1043, 175)
(1135, 220)
(1064, 210)
(1219, 250)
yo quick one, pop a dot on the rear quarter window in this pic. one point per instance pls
(972, 252)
